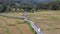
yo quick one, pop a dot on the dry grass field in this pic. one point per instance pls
(14, 26)
(48, 21)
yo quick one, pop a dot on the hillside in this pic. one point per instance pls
(34, 2)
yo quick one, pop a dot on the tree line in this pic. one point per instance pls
(49, 6)
(54, 5)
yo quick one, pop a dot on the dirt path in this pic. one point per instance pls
(25, 28)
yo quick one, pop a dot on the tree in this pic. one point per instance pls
(2, 8)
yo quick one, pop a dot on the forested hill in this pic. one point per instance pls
(37, 4)
(25, 1)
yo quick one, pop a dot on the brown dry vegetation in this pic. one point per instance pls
(12, 26)
(25, 28)
(48, 21)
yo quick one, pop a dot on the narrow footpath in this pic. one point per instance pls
(37, 30)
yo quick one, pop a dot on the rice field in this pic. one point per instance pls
(48, 21)
(14, 26)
